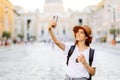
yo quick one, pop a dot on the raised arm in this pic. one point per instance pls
(56, 41)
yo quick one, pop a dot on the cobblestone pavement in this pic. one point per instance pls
(40, 62)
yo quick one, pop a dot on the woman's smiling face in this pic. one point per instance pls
(80, 35)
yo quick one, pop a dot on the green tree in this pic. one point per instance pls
(32, 37)
(113, 32)
(6, 34)
(21, 36)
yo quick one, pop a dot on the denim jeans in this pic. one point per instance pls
(68, 78)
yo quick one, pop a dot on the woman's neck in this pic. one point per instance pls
(82, 45)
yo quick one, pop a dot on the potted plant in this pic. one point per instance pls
(32, 38)
(21, 36)
(103, 38)
(6, 35)
(113, 32)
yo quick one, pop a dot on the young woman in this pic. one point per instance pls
(77, 70)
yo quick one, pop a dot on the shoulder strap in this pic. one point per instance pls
(91, 56)
(70, 53)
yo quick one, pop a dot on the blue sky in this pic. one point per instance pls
(73, 4)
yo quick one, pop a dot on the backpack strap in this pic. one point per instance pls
(91, 56)
(70, 53)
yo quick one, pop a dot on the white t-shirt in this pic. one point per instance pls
(78, 70)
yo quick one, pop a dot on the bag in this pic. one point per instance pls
(91, 56)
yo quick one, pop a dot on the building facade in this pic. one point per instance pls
(105, 17)
(6, 16)
(25, 23)
(36, 23)
(100, 17)
(66, 20)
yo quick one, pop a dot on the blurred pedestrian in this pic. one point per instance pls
(78, 67)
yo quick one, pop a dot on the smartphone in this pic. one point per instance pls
(55, 18)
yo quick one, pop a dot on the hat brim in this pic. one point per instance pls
(76, 28)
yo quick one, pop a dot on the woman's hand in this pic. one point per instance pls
(81, 58)
(52, 24)
(91, 70)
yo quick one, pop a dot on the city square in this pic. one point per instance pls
(37, 62)
(27, 51)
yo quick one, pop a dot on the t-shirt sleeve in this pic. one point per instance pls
(94, 59)
(67, 47)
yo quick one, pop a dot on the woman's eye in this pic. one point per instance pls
(81, 32)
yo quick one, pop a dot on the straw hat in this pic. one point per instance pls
(86, 28)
